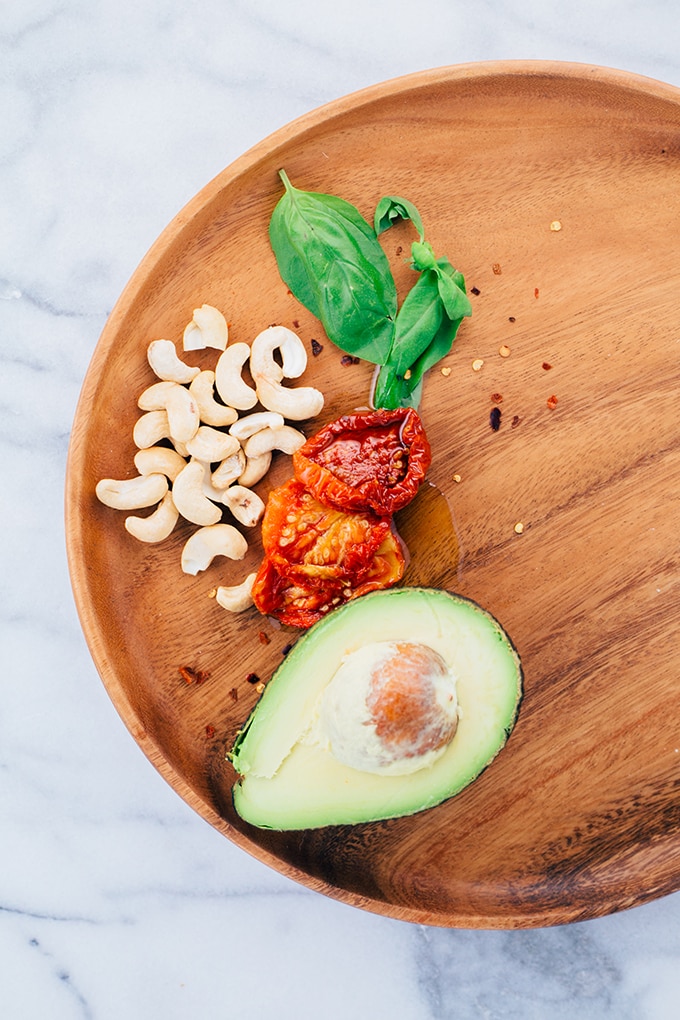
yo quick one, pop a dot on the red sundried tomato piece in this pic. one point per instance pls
(299, 600)
(368, 460)
(310, 541)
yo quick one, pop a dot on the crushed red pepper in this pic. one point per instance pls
(253, 678)
(546, 366)
(495, 418)
(316, 348)
(497, 398)
(349, 359)
(552, 402)
(264, 638)
(190, 675)
(233, 694)
(210, 731)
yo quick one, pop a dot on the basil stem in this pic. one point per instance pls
(330, 258)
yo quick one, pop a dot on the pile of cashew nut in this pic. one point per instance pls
(215, 454)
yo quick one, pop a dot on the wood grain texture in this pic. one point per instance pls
(580, 814)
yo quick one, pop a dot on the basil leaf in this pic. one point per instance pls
(452, 290)
(391, 209)
(330, 258)
(439, 346)
(417, 321)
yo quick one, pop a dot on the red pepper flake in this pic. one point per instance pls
(193, 676)
(233, 694)
(535, 292)
(286, 649)
(495, 418)
(497, 268)
(348, 359)
(296, 323)
(210, 731)
(552, 402)
(264, 638)
(511, 318)
(496, 398)
(475, 291)
(515, 421)
(399, 250)
(546, 366)
(253, 678)
(316, 348)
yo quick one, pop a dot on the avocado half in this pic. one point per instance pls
(287, 783)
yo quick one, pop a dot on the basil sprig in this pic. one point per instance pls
(330, 258)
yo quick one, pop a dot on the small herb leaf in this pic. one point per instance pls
(391, 209)
(330, 258)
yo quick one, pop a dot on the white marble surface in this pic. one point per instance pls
(116, 901)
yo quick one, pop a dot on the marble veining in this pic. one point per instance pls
(115, 899)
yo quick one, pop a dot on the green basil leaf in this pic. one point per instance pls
(330, 258)
(452, 290)
(417, 321)
(438, 348)
(391, 209)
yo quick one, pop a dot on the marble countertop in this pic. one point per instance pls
(116, 900)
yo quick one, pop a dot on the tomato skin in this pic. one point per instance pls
(370, 460)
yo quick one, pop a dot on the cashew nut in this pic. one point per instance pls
(209, 410)
(293, 402)
(158, 525)
(179, 404)
(208, 328)
(291, 347)
(164, 361)
(155, 396)
(245, 505)
(190, 500)
(237, 598)
(159, 460)
(205, 544)
(229, 470)
(256, 468)
(208, 488)
(228, 382)
(132, 493)
(286, 439)
(252, 423)
(211, 445)
(150, 429)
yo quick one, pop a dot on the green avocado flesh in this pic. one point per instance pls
(288, 783)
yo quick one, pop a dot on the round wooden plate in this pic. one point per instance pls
(555, 188)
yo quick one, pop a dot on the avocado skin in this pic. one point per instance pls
(287, 784)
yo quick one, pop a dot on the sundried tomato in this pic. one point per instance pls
(299, 600)
(372, 460)
(307, 540)
(317, 557)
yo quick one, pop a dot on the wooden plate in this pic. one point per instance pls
(580, 814)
